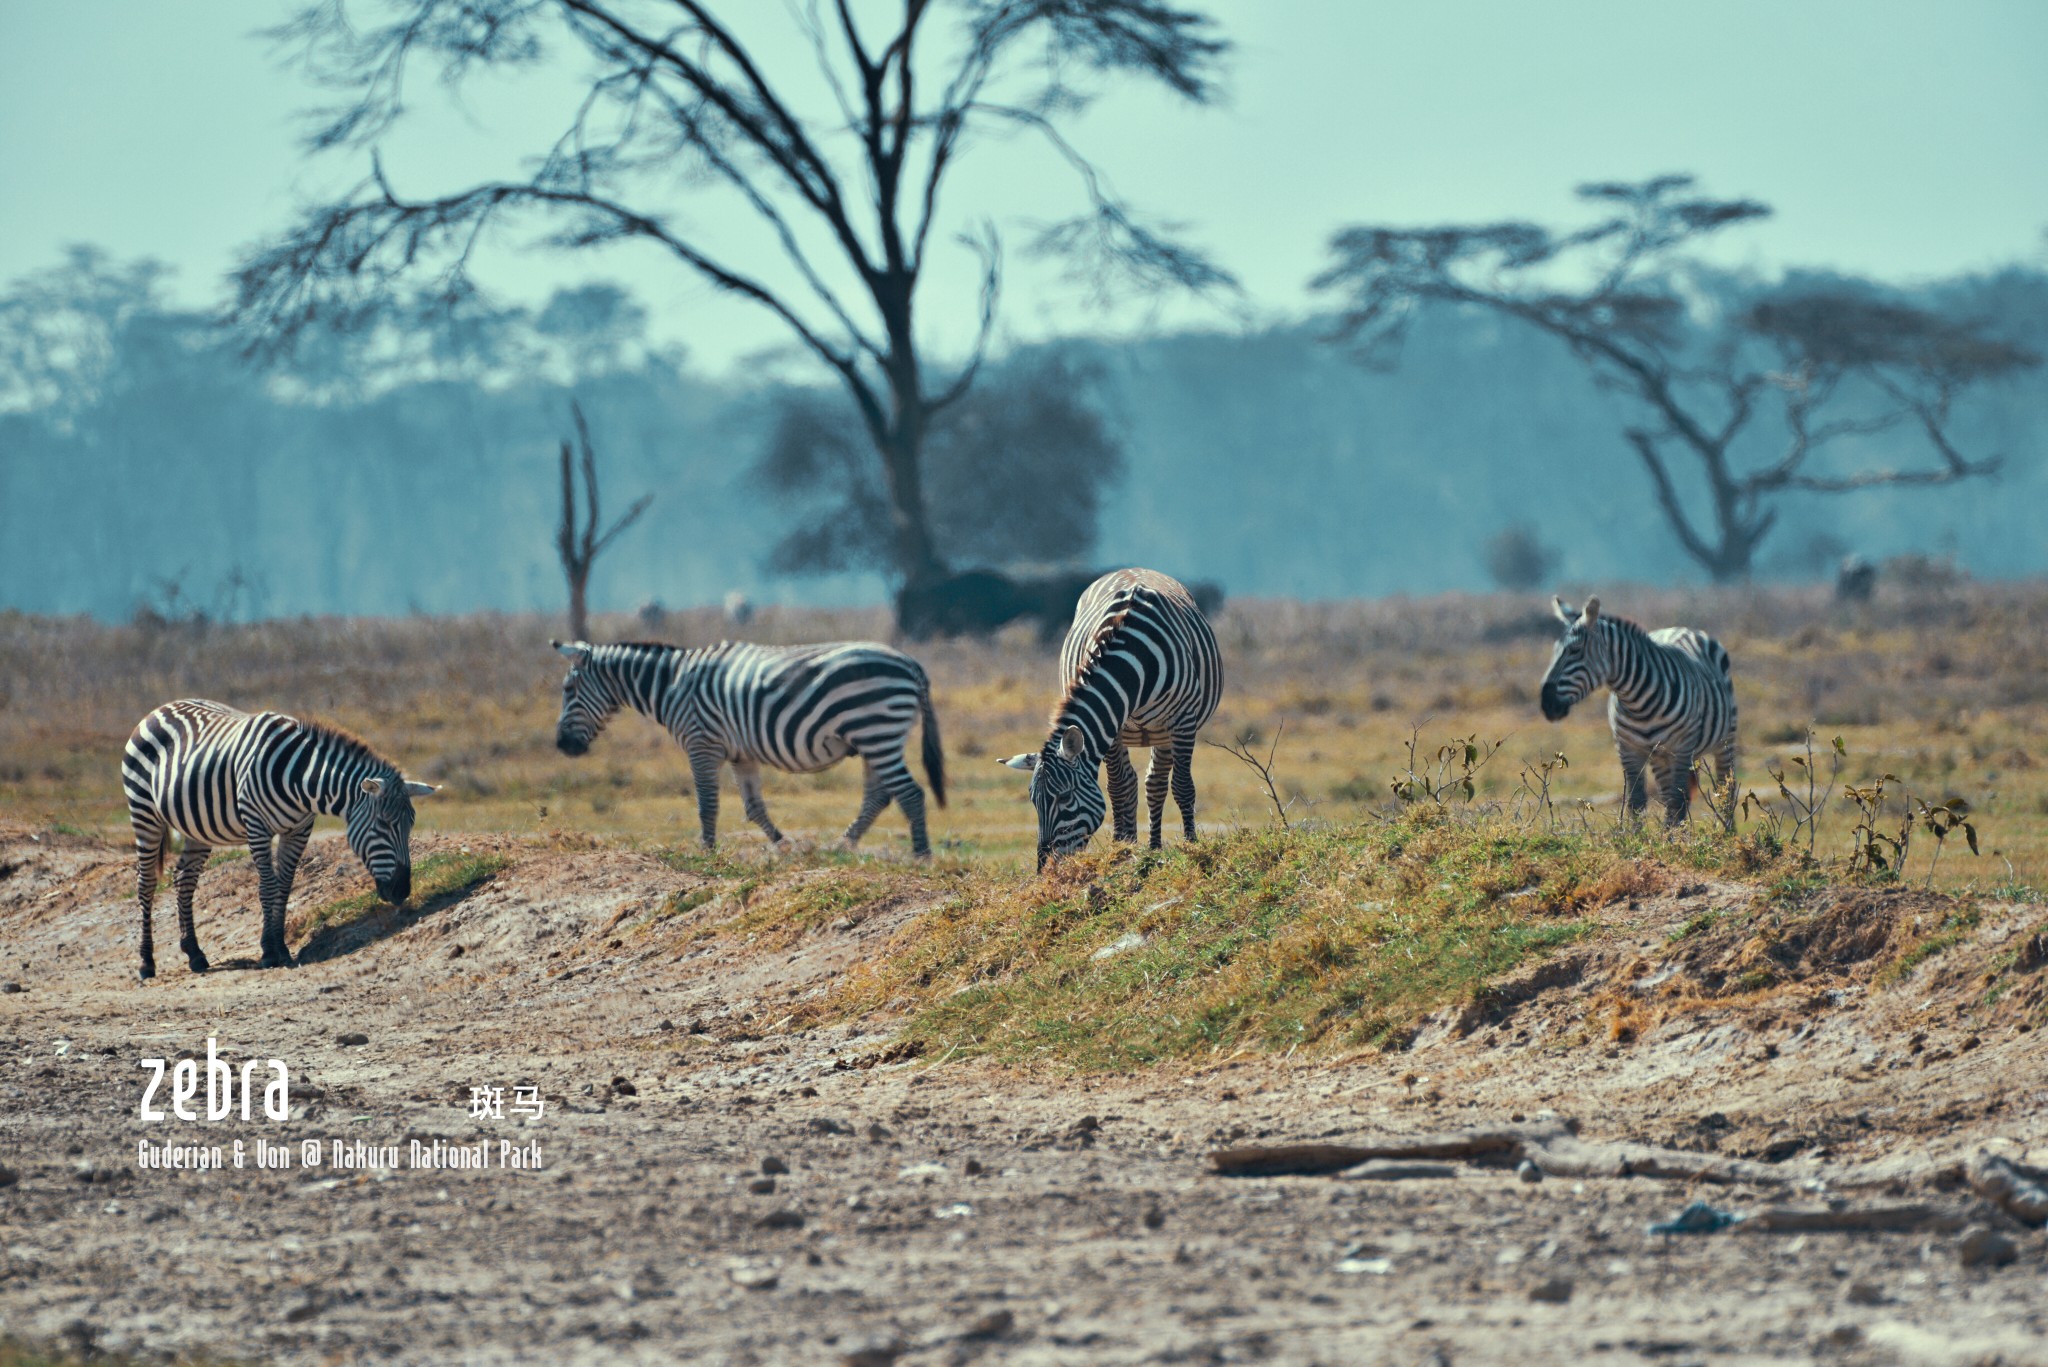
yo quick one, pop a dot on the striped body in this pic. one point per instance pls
(220, 777)
(1672, 702)
(794, 708)
(1140, 667)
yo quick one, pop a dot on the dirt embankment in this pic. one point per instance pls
(931, 1212)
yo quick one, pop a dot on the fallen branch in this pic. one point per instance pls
(2019, 1190)
(1883, 1219)
(1507, 1143)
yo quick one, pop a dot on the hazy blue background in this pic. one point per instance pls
(1900, 141)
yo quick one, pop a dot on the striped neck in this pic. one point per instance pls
(1625, 650)
(637, 673)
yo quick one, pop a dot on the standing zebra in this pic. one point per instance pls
(217, 776)
(794, 708)
(1141, 668)
(1672, 702)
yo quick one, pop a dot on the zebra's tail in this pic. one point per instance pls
(934, 754)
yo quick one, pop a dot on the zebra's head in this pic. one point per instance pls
(1067, 791)
(588, 700)
(380, 832)
(1578, 665)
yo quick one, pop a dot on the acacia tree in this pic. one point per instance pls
(1834, 364)
(681, 103)
(579, 546)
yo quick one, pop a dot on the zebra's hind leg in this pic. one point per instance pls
(275, 955)
(874, 796)
(1184, 780)
(1123, 792)
(1675, 779)
(704, 777)
(150, 840)
(1156, 775)
(910, 798)
(1634, 795)
(749, 775)
(191, 864)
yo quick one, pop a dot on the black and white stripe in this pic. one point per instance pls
(794, 708)
(216, 777)
(1672, 702)
(1140, 667)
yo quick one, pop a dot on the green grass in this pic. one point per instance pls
(1259, 941)
(437, 876)
(1953, 930)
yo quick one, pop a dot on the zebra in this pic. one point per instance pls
(799, 709)
(1672, 701)
(217, 776)
(1141, 667)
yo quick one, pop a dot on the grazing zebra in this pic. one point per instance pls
(794, 708)
(1141, 668)
(217, 777)
(1672, 702)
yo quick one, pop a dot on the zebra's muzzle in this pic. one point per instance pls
(396, 888)
(571, 745)
(1555, 708)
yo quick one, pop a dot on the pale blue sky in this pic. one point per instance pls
(1901, 138)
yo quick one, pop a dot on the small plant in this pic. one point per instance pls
(1241, 748)
(1941, 820)
(1805, 805)
(1873, 850)
(1536, 779)
(1455, 773)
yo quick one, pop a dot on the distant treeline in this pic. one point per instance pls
(411, 465)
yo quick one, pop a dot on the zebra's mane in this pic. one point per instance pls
(354, 744)
(1104, 634)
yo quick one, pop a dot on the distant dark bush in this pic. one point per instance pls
(1517, 559)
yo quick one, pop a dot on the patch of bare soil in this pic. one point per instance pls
(714, 1187)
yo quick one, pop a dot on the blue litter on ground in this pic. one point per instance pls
(1697, 1218)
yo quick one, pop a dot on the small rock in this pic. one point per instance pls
(302, 1312)
(781, 1219)
(875, 1352)
(624, 1087)
(457, 952)
(772, 1166)
(1155, 1218)
(1864, 1293)
(1845, 1335)
(590, 1089)
(922, 1172)
(10, 988)
(994, 1324)
(827, 1125)
(762, 1186)
(973, 1168)
(1529, 1172)
(754, 1277)
(1087, 1124)
(1552, 1291)
(1371, 1267)
(877, 1132)
(8, 1176)
(1983, 1246)
(352, 1038)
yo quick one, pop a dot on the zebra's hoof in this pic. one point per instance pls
(148, 970)
(195, 958)
(277, 958)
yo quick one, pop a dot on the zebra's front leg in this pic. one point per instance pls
(149, 862)
(191, 864)
(749, 775)
(1123, 792)
(874, 796)
(1157, 772)
(1678, 778)
(1634, 795)
(704, 765)
(275, 955)
(1184, 780)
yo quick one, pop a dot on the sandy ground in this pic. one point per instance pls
(936, 1214)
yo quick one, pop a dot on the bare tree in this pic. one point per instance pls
(579, 547)
(1835, 364)
(680, 101)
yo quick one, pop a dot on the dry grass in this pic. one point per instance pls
(1947, 688)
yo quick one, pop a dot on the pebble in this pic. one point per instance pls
(825, 1124)
(781, 1219)
(753, 1277)
(875, 1352)
(1529, 1172)
(456, 952)
(877, 1132)
(1155, 1218)
(761, 1186)
(8, 1176)
(1376, 1267)
(1983, 1246)
(973, 1168)
(352, 1038)
(1551, 1291)
(994, 1324)
(771, 1165)
(624, 1087)
(10, 987)
(1864, 1293)
(925, 1172)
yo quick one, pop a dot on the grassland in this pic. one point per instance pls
(1944, 686)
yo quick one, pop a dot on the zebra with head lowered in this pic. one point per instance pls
(1141, 667)
(216, 776)
(1672, 701)
(799, 709)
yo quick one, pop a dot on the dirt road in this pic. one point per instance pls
(711, 1188)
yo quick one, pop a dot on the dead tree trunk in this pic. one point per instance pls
(579, 547)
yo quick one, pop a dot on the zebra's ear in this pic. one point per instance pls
(1070, 743)
(1564, 612)
(1025, 762)
(373, 786)
(1592, 614)
(575, 650)
(421, 789)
